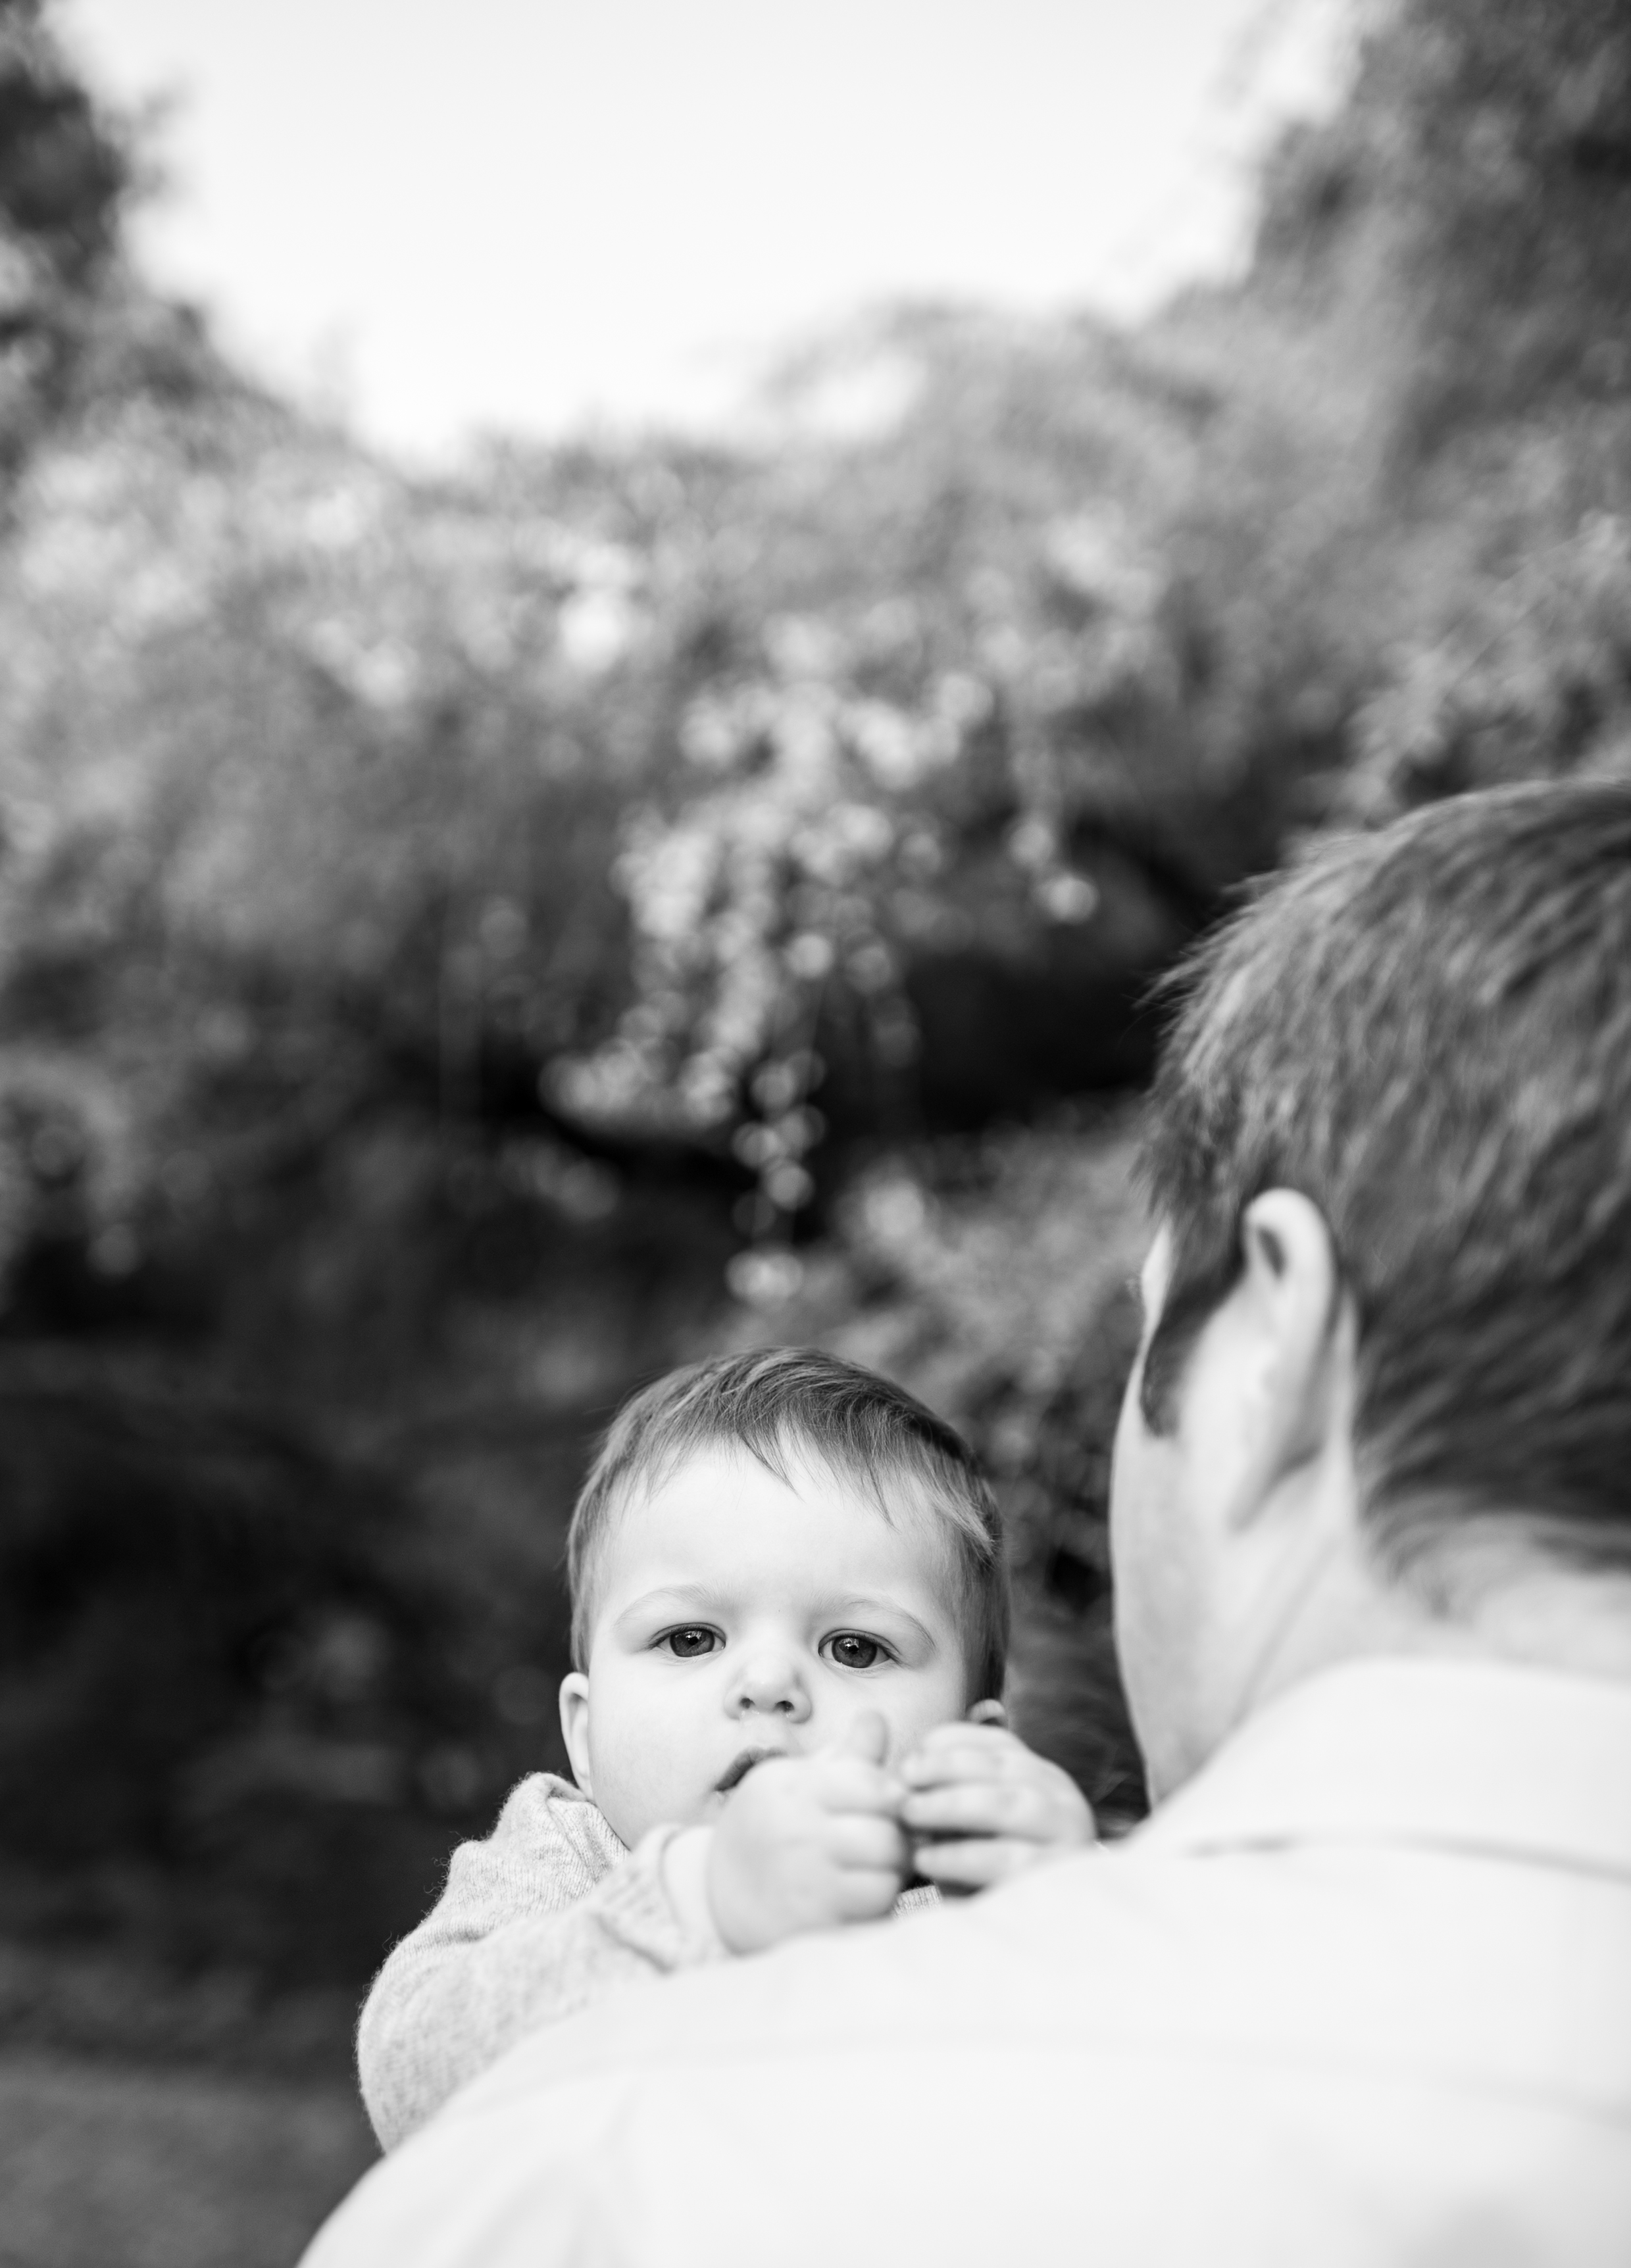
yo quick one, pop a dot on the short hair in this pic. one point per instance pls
(1426, 1031)
(774, 1404)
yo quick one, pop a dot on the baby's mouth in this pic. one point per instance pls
(738, 1771)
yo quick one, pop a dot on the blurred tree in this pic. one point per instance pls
(443, 923)
(1479, 177)
(1509, 196)
(929, 823)
(1409, 539)
(65, 172)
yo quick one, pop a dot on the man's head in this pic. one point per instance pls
(1388, 1308)
(767, 1545)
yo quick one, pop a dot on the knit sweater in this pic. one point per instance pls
(550, 1913)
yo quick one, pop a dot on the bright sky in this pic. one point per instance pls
(526, 213)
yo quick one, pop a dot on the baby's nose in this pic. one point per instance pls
(770, 1680)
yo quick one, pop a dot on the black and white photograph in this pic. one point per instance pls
(815, 1134)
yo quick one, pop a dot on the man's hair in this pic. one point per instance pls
(785, 1404)
(1427, 1032)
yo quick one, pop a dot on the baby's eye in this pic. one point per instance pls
(695, 1639)
(850, 1651)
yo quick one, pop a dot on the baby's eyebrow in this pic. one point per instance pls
(695, 1597)
(862, 1607)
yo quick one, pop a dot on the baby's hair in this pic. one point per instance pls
(775, 1403)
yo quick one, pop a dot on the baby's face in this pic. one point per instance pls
(738, 1617)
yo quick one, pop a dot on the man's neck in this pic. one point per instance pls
(1557, 1619)
(1493, 1602)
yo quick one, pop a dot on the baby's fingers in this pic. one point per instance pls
(980, 1806)
(845, 1783)
(863, 1894)
(952, 1752)
(1027, 1810)
(978, 1865)
(863, 1844)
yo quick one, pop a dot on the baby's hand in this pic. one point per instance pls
(806, 1842)
(991, 1805)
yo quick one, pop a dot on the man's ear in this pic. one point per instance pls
(1299, 1349)
(575, 1726)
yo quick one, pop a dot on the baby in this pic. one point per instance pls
(788, 1593)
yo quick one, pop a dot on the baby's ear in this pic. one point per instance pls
(575, 1726)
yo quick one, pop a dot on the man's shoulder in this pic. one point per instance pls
(1147, 2046)
(1100, 1948)
(1380, 1949)
(1339, 1949)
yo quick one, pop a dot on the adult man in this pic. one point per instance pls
(1360, 1992)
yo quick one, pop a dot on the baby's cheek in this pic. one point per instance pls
(625, 1780)
(664, 1780)
(931, 1700)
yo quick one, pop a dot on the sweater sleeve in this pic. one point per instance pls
(547, 1915)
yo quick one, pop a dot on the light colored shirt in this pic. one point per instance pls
(1360, 1994)
(546, 1916)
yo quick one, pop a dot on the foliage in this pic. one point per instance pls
(289, 742)
(445, 925)
(65, 169)
(292, 790)
(1439, 320)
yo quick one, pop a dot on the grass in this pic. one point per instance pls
(115, 2165)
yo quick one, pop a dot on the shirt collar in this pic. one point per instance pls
(1524, 1762)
